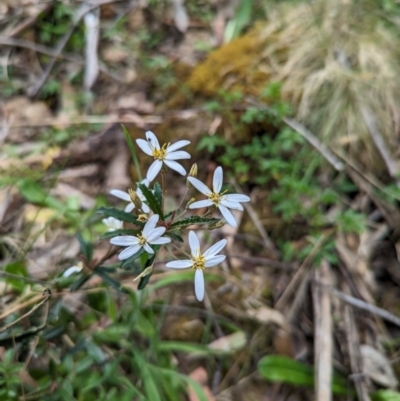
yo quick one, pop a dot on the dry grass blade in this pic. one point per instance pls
(353, 342)
(306, 45)
(323, 335)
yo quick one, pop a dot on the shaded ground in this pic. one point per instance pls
(312, 272)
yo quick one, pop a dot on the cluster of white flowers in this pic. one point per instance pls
(151, 234)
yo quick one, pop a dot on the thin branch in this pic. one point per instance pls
(8, 326)
(358, 303)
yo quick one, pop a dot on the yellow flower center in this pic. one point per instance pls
(142, 240)
(199, 262)
(215, 198)
(161, 153)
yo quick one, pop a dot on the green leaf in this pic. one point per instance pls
(150, 386)
(32, 191)
(19, 269)
(79, 283)
(120, 215)
(385, 395)
(112, 334)
(194, 220)
(111, 234)
(86, 247)
(158, 192)
(100, 271)
(131, 147)
(144, 280)
(152, 201)
(281, 369)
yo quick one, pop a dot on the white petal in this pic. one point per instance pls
(199, 204)
(129, 207)
(157, 232)
(148, 248)
(145, 182)
(180, 264)
(215, 248)
(128, 252)
(175, 166)
(237, 197)
(199, 284)
(126, 240)
(177, 145)
(194, 244)
(145, 208)
(231, 204)
(113, 223)
(121, 195)
(150, 225)
(217, 179)
(152, 140)
(177, 155)
(199, 186)
(228, 216)
(144, 146)
(154, 169)
(160, 241)
(72, 270)
(214, 260)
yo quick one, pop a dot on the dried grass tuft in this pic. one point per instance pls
(332, 56)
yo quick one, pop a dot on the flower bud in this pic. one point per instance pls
(190, 202)
(143, 218)
(192, 173)
(135, 199)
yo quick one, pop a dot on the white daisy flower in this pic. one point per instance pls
(218, 199)
(73, 269)
(112, 223)
(200, 261)
(151, 235)
(165, 154)
(126, 197)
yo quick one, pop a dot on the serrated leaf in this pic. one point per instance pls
(174, 236)
(111, 234)
(152, 201)
(86, 247)
(158, 192)
(109, 280)
(120, 215)
(194, 220)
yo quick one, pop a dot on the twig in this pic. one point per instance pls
(9, 325)
(322, 335)
(358, 303)
(253, 215)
